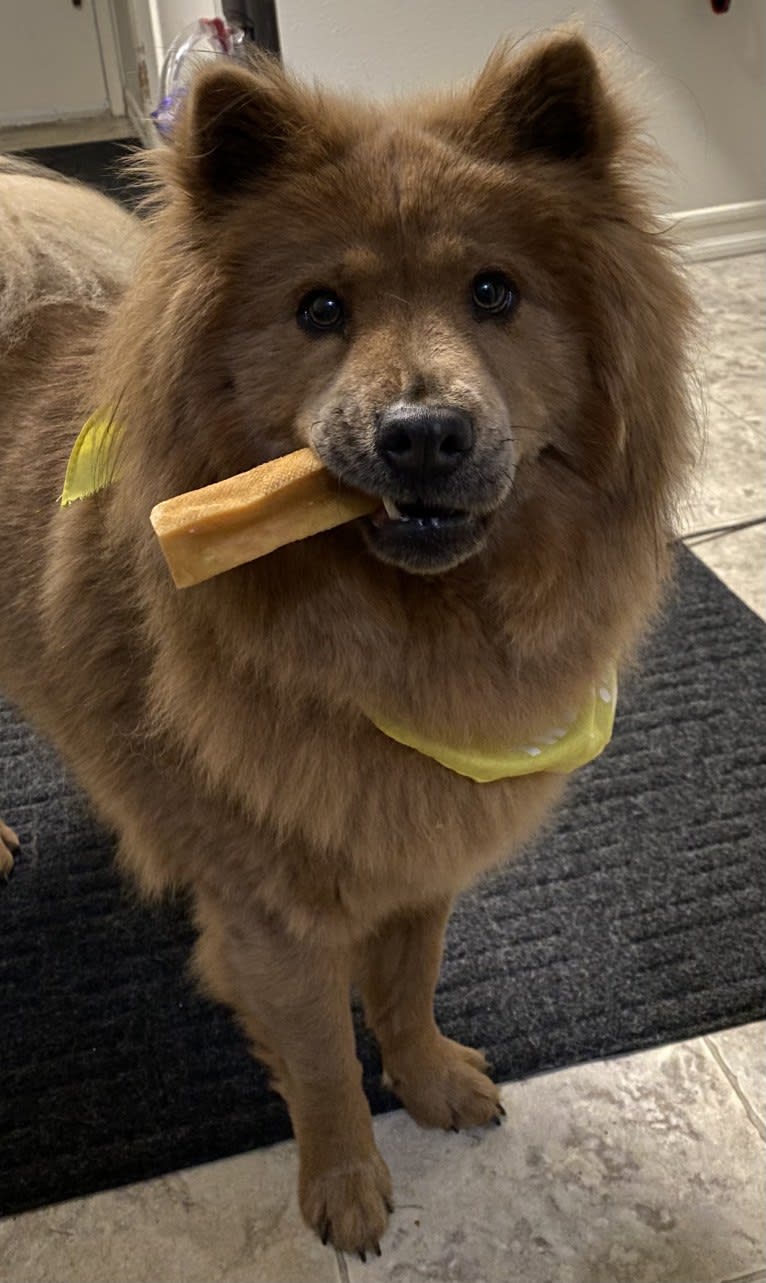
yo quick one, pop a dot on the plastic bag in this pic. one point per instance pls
(208, 37)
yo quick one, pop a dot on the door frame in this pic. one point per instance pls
(111, 65)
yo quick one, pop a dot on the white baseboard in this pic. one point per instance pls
(720, 231)
(37, 116)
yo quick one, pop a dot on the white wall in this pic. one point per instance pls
(50, 62)
(702, 80)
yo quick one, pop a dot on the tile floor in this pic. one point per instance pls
(731, 482)
(649, 1168)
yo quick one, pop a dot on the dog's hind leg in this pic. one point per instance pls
(9, 844)
(440, 1082)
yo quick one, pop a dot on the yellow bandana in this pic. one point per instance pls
(577, 739)
(91, 464)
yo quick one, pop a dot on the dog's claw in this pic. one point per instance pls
(362, 1256)
(453, 1128)
(500, 1110)
(376, 1247)
(497, 1120)
(324, 1232)
(389, 1206)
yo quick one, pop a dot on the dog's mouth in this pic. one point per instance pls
(425, 527)
(423, 538)
(422, 514)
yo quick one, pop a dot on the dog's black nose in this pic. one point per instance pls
(424, 441)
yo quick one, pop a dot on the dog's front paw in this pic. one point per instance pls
(443, 1084)
(9, 843)
(349, 1204)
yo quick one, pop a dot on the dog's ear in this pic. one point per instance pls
(551, 103)
(236, 125)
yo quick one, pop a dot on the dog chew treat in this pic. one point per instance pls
(205, 532)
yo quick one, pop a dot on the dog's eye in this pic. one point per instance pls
(494, 294)
(320, 311)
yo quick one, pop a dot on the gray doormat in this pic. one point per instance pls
(638, 918)
(99, 164)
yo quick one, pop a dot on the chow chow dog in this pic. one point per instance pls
(462, 304)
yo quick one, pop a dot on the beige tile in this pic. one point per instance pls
(743, 1053)
(730, 482)
(236, 1220)
(730, 479)
(759, 1276)
(728, 292)
(736, 378)
(725, 281)
(730, 360)
(644, 1169)
(739, 559)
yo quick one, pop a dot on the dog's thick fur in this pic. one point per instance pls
(220, 731)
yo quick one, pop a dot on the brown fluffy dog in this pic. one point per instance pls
(462, 305)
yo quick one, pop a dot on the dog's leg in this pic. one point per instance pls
(8, 844)
(293, 999)
(440, 1082)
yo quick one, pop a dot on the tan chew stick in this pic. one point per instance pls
(208, 531)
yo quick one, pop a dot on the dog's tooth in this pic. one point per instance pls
(392, 512)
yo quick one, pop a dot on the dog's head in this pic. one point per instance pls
(411, 291)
